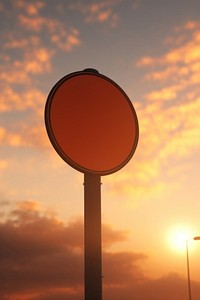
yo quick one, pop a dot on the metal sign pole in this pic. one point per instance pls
(89, 111)
(92, 236)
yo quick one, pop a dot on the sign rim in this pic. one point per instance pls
(52, 137)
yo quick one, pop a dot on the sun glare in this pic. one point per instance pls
(177, 238)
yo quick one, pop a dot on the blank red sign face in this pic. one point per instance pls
(91, 123)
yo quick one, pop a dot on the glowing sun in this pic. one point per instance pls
(178, 236)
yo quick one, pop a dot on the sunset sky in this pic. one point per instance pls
(151, 48)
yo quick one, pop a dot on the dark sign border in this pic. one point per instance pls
(52, 137)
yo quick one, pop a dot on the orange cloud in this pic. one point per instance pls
(29, 8)
(98, 12)
(167, 93)
(31, 240)
(110, 236)
(15, 44)
(42, 258)
(140, 177)
(10, 100)
(37, 61)
(145, 61)
(182, 61)
(173, 132)
(176, 124)
(32, 23)
(28, 136)
(33, 59)
(33, 8)
(183, 131)
(24, 133)
(28, 205)
(168, 130)
(65, 39)
(11, 139)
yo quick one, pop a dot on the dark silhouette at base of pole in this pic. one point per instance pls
(92, 237)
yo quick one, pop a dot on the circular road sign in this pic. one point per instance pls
(91, 122)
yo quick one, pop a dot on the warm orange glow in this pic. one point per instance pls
(178, 236)
(151, 205)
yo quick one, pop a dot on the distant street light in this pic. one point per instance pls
(196, 238)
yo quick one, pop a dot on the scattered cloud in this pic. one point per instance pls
(7, 138)
(98, 12)
(32, 19)
(68, 41)
(62, 36)
(10, 100)
(25, 52)
(64, 39)
(26, 56)
(168, 117)
(177, 122)
(24, 136)
(181, 63)
(30, 8)
(103, 12)
(20, 43)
